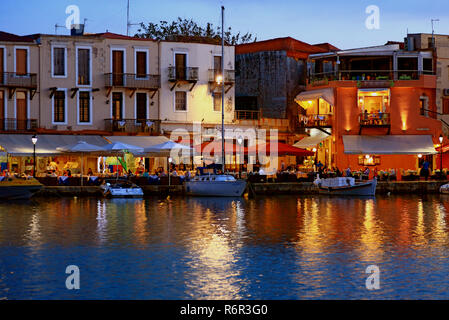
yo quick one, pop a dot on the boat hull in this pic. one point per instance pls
(360, 189)
(124, 193)
(216, 188)
(22, 191)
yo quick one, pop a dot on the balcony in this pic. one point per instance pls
(182, 75)
(316, 120)
(13, 81)
(374, 120)
(247, 115)
(133, 126)
(367, 78)
(15, 125)
(216, 78)
(132, 81)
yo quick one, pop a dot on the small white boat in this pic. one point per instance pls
(121, 189)
(215, 185)
(346, 186)
(444, 188)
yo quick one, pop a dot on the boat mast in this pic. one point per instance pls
(222, 90)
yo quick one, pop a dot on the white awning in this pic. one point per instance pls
(21, 145)
(325, 94)
(312, 141)
(395, 144)
(140, 141)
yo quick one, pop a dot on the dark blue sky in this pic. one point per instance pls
(341, 23)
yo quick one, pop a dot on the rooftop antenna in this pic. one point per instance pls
(128, 23)
(433, 37)
(58, 26)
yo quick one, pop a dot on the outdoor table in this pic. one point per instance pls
(2, 178)
(64, 180)
(92, 180)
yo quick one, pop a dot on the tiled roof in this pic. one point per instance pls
(9, 37)
(327, 46)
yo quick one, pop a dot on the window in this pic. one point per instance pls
(424, 105)
(181, 65)
(141, 106)
(141, 64)
(446, 106)
(217, 101)
(83, 66)
(84, 106)
(59, 62)
(59, 107)
(217, 67)
(180, 101)
(117, 106)
(2, 109)
(21, 61)
(2, 62)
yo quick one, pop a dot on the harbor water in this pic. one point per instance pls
(283, 247)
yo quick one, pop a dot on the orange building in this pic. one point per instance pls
(371, 107)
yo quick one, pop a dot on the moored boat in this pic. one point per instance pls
(215, 185)
(444, 188)
(346, 186)
(18, 188)
(121, 189)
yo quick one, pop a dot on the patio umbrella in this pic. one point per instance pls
(120, 148)
(283, 149)
(81, 147)
(165, 149)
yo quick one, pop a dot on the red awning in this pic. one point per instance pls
(282, 149)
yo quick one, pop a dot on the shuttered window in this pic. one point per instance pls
(446, 106)
(217, 101)
(141, 61)
(59, 62)
(84, 66)
(181, 101)
(84, 106)
(21, 61)
(59, 106)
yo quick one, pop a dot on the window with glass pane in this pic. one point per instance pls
(217, 101)
(84, 106)
(141, 64)
(59, 106)
(84, 66)
(181, 101)
(117, 100)
(59, 61)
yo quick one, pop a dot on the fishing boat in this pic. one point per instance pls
(216, 185)
(18, 188)
(346, 186)
(121, 188)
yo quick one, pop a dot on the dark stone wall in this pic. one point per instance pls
(274, 78)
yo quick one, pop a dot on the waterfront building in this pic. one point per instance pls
(364, 107)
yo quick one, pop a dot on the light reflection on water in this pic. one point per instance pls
(206, 248)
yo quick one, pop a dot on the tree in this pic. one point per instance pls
(189, 28)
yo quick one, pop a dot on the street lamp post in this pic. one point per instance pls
(34, 140)
(441, 154)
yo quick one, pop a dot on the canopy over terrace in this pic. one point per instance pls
(46, 146)
(389, 145)
(279, 148)
(325, 94)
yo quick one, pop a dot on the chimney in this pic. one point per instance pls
(77, 30)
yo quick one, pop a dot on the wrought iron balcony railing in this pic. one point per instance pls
(18, 80)
(10, 124)
(182, 73)
(315, 120)
(132, 80)
(133, 125)
(216, 76)
(374, 119)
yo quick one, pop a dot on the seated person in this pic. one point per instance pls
(146, 174)
(90, 172)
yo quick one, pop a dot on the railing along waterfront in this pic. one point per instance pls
(18, 80)
(132, 80)
(150, 126)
